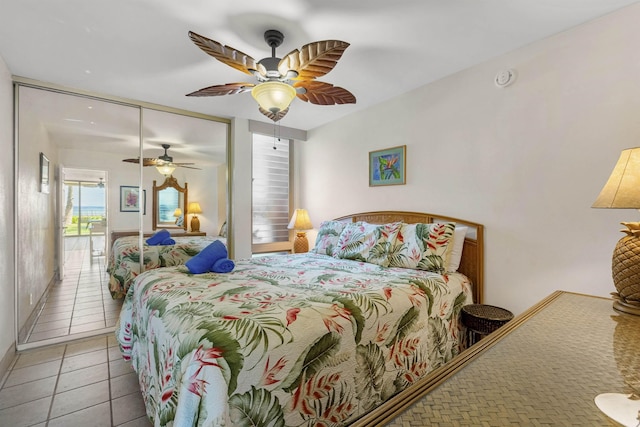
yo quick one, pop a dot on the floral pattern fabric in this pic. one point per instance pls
(422, 246)
(371, 243)
(124, 259)
(294, 340)
(328, 236)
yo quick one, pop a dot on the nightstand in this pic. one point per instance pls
(482, 319)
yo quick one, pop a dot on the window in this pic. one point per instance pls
(270, 193)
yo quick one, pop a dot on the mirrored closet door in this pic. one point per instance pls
(80, 182)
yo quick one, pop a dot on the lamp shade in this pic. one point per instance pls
(194, 208)
(300, 220)
(177, 213)
(622, 190)
(166, 168)
(274, 96)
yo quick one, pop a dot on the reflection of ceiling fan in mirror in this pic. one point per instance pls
(280, 79)
(164, 163)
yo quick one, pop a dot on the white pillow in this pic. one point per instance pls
(454, 250)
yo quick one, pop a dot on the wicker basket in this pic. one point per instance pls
(484, 319)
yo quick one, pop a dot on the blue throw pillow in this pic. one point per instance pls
(158, 237)
(202, 262)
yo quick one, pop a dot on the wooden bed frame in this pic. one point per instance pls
(472, 263)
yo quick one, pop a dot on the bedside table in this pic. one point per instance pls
(482, 319)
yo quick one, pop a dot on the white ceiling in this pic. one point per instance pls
(139, 49)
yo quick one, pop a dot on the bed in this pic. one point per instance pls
(304, 339)
(124, 258)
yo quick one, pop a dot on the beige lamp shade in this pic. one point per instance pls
(274, 96)
(300, 220)
(194, 208)
(622, 190)
(177, 213)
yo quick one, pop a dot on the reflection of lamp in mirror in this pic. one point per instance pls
(300, 222)
(622, 191)
(177, 214)
(194, 208)
(165, 168)
(624, 407)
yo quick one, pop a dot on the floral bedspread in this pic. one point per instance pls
(293, 340)
(124, 259)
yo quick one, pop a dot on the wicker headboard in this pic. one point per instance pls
(472, 263)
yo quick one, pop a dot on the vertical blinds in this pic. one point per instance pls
(270, 190)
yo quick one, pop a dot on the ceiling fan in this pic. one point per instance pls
(280, 79)
(163, 160)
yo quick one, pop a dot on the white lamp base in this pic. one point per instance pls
(620, 408)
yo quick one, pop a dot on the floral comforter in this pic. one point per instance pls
(294, 340)
(124, 259)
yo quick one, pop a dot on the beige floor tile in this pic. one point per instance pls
(32, 373)
(86, 305)
(79, 398)
(114, 353)
(34, 357)
(26, 414)
(91, 318)
(84, 360)
(56, 316)
(138, 422)
(86, 346)
(85, 327)
(27, 392)
(82, 377)
(49, 334)
(111, 340)
(124, 385)
(127, 408)
(94, 416)
(48, 326)
(119, 367)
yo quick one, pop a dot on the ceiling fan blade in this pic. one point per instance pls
(313, 60)
(145, 162)
(183, 165)
(275, 117)
(225, 89)
(321, 93)
(228, 55)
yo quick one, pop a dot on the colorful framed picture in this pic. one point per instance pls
(387, 167)
(129, 199)
(44, 174)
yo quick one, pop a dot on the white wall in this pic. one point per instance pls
(36, 231)
(7, 285)
(527, 161)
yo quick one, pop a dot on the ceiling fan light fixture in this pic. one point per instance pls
(166, 169)
(273, 96)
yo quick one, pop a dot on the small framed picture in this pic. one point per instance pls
(44, 174)
(129, 198)
(387, 167)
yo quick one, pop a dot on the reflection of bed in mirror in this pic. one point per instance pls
(124, 257)
(305, 339)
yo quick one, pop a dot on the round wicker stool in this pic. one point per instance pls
(482, 319)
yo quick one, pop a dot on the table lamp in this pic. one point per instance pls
(300, 222)
(194, 208)
(622, 191)
(177, 214)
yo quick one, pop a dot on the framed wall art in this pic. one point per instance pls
(44, 174)
(387, 167)
(129, 199)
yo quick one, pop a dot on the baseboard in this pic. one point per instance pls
(5, 364)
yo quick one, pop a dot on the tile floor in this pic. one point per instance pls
(79, 303)
(77, 384)
(81, 382)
